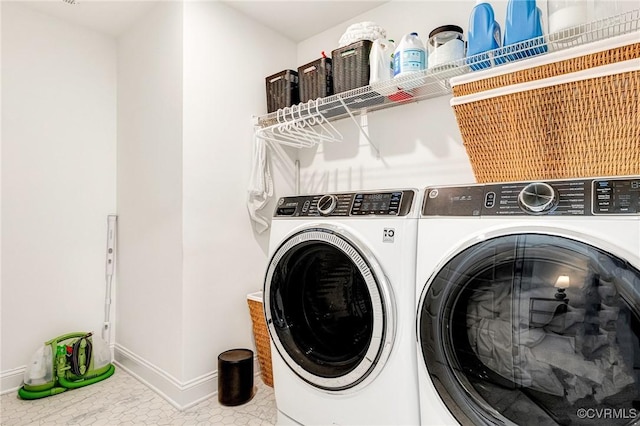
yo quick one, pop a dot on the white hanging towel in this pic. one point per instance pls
(260, 185)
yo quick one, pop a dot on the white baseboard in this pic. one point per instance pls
(181, 395)
(11, 380)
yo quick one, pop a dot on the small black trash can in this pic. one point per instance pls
(235, 376)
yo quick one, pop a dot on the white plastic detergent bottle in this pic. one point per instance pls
(410, 56)
(381, 64)
(483, 34)
(381, 61)
(391, 52)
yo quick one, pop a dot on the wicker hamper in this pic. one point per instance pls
(261, 336)
(567, 114)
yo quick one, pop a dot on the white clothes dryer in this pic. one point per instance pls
(339, 300)
(529, 303)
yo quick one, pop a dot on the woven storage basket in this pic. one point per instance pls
(565, 118)
(261, 336)
(282, 90)
(351, 66)
(315, 80)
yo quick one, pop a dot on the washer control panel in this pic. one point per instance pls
(383, 203)
(576, 197)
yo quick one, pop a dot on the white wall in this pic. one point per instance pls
(187, 253)
(226, 58)
(58, 180)
(149, 170)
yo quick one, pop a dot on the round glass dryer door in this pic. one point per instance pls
(329, 309)
(534, 329)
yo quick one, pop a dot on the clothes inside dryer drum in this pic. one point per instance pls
(536, 329)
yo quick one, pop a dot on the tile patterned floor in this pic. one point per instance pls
(122, 400)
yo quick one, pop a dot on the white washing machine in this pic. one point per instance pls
(529, 303)
(339, 300)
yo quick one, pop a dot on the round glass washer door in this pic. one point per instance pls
(534, 329)
(329, 309)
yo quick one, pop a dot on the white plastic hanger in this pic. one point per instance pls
(303, 126)
(275, 134)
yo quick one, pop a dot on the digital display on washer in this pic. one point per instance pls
(384, 203)
(616, 196)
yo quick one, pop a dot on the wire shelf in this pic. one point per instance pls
(435, 82)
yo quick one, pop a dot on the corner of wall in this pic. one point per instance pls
(181, 395)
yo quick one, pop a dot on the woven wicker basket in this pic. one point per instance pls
(282, 90)
(351, 66)
(315, 80)
(261, 336)
(574, 117)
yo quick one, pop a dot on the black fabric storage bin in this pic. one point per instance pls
(282, 90)
(315, 79)
(235, 376)
(351, 66)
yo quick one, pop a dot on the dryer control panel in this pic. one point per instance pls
(616, 196)
(575, 197)
(382, 203)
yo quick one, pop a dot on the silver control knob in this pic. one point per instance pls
(327, 204)
(537, 197)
